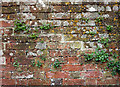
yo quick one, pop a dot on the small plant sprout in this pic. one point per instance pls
(85, 19)
(16, 64)
(89, 57)
(33, 63)
(99, 19)
(39, 64)
(33, 36)
(109, 27)
(43, 58)
(56, 64)
(45, 26)
(42, 41)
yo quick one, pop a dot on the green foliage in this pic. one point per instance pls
(104, 41)
(33, 36)
(19, 25)
(114, 55)
(101, 56)
(56, 64)
(98, 56)
(109, 27)
(114, 67)
(42, 41)
(99, 19)
(45, 27)
(92, 33)
(85, 19)
(39, 64)
(89, 57)
(16, 64)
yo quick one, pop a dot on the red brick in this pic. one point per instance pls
(8, 81)
(54, 53)
(110, 81)
(89, 67)
(119, 80)
(89, 51)
(7, 75)
(66, 53)
(21, 82)
(91, 82)
(9, 67)
(73, 59)
(8, 31)
(91, 74)
(70, 67)
(74, 82)
(1, 31)
(57, 75)
(34, 82)
(6, 24)
(1, 74)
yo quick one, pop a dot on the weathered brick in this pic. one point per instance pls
(91, 82)
(9, 16)
(9, 4)
(2, 61)
(70, 67)
(90, 67)
(40, 75)
(75, 75)
(21, 82)
(7, 31)
(7, 75)
(9, 68)
(73, 60)
(20, 46)
(110, 81)
(12, 9)
(91, 74)
(6, 24)
(34, 82)
(59, 16)
(1, 74)
(56, 81)
(38, 8)
(8, 82)
(57, 75)
(74, 82)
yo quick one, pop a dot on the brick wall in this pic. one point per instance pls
(67, 41)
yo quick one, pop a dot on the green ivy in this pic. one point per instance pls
(89, 57)
(114, 67)
(19, 25)
(101, 56)
(104, 41)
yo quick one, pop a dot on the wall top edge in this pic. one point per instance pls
(57, 1)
